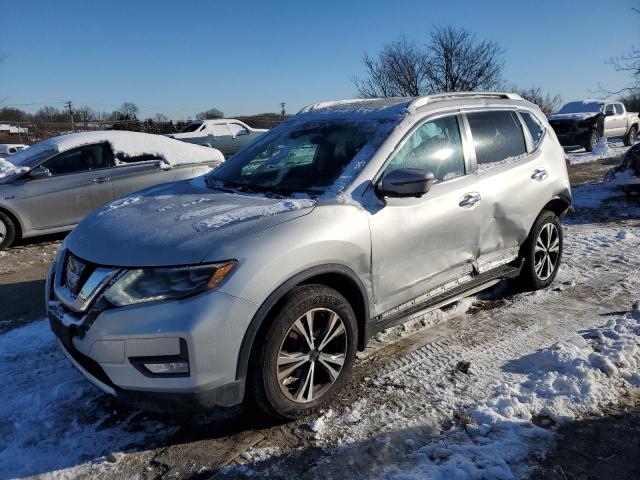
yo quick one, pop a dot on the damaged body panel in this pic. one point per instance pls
(582, 124)
(348, 217)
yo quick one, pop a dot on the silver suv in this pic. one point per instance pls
(260, 280)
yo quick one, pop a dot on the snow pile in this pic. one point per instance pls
(605, 148)
(7, 168)
(559, 382)
(234, 214)
(51, 417)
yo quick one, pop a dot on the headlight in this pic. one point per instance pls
(150, 284)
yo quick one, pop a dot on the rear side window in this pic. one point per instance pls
(619, 109)
(219, 130)
(535, 128)
(497, 137)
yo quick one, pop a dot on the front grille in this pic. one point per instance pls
(563, 126)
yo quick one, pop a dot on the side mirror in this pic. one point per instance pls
(609, 113)
(242, 132)
(40, 172)
(406, 182)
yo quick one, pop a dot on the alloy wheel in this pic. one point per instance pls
(311, 355)
(547, 251)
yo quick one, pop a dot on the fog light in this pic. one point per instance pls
(167, 368)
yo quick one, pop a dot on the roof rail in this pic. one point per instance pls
(422, 101)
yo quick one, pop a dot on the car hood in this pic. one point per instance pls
(177, 223)
(573, 116)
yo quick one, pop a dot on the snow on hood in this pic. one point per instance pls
(172, 152)
(176, 223)
(573, 116)
(8, 169)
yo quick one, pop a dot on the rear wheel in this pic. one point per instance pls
(592, 140)
(7, 231)
(542, 252)
(631, 137)
(307, 354)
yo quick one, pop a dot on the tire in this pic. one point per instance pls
(592, 140)
(631, 137)
(536, 272)
(284, 393)
(7, 231)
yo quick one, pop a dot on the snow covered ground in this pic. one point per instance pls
(474, 391)
(610, 148)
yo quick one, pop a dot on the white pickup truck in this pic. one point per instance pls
(582, 123)
(225, 134)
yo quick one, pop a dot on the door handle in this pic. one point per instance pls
(469, 199)
(539, 174)
(100, 180)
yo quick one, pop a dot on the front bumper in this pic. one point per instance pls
(110, 346)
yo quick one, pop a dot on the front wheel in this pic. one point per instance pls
(306, 355)
(542, 252)
(7, 231)
(631, 137)
(592, 141)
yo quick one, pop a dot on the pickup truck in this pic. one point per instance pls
(583, 123)
(225, 134)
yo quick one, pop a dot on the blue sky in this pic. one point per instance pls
(180, 58)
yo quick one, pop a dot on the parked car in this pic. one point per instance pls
(52, 185)
(261, 279)
(583, 123)
(226, 134)
(7, 149)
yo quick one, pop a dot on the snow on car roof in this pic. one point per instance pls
(173, 152)
(372, 108)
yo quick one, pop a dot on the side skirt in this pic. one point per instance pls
(441, 296)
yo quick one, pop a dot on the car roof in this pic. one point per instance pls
(394, 106)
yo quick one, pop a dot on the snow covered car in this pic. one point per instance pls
(583, 123)
(53, 184)
(261, 279)
(627, 174)
(226, 134)
(7, 149)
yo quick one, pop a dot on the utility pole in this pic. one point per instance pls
(283, 111)
(71, 112)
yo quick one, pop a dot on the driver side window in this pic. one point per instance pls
(89, 157)
(436, 146)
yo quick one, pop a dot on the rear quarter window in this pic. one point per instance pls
(497, 137)
(535, 127)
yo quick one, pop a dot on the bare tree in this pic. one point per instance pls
(399, 71)
(549, 103)
(626, 63)
(458, 62)
(210, 114)
(129, 110)
(85, 114)
(453, 60)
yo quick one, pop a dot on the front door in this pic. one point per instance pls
(78, 184)
(222, 139)
(419, 244)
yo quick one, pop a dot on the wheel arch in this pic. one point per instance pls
(559, 204)
(336, 276)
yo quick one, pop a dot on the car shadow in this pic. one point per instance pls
(22, 303)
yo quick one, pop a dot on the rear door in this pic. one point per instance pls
(419, 244)
(79, 183)
(222, 138)
(141, 171)
(511, 174)
(240, 135)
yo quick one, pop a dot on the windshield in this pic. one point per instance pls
(29, 157)
(306, 157)
(581, 107)
(193, 127)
